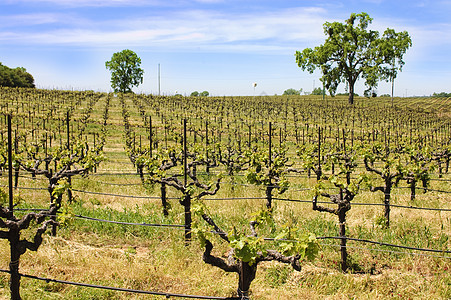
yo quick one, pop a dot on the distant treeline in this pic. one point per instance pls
(442, 94)
(18, 77)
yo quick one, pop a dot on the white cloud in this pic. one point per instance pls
(270, 30)
(35, 19)
(94, 3)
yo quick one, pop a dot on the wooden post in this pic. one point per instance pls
(150, 136)
(319, 172)
(207, 168)
(10, 166)
(250, 137)
(13, 234)
(69, 179)
(187, 199)
(269, 188)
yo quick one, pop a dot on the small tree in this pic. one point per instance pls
(292, 92)
(351, 51)
(125, 71)
(317, 91)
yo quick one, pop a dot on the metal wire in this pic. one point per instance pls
(167, 295)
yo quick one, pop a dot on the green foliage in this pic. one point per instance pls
(351, 51)
(66, 216)
(442, 94)
(262, 171)
(247, 248)
(198, 229)
(293, 241)
(317, 91)
(197, 94)
(125, 71)
(292, 92)
(60, 189)
(18, 77)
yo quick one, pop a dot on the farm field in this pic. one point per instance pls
(318, 148)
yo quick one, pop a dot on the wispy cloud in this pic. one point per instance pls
(35, 19)
(93, 3)
(271, 30)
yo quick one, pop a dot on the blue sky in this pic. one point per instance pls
(222, 46)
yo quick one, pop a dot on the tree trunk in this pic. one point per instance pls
(269, 196)
(140, 172)
(246, 276)
(413, 184)
(387, 192)
(53, 201)
(163, 199)
(188, 220)
(342, 233)
(351, 93)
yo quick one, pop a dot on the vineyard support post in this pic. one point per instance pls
(150, 136)
(13, 234)
(250, 137)
(207, 168)
(187, 198)
(319, 172)
(69, 179)
(14, 286)
(269, 188)
(95, 167)
(16, 147)
(10, 166)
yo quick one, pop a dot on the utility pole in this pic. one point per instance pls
(158, 79)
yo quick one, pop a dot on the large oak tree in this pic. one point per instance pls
(352, 51)
(125, 71)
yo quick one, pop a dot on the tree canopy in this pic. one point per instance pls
(351, 52)
(442, 94)
(292, 92)
(197, 94)
(317, 91)
(18, 77)
(125, 71)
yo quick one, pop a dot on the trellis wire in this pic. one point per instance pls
(243, 198)
(366, 204)
(388, 251)
(266, 239)
(130, 223)
(382, 244)
(167, 295)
